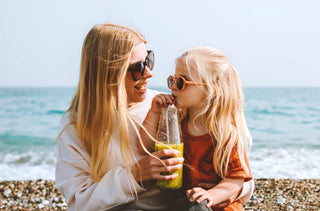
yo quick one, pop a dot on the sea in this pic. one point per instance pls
(284, 123)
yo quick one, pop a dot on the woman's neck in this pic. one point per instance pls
(197, 127)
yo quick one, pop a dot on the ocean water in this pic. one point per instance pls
(284, 122)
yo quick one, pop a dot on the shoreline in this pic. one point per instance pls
(269, 194)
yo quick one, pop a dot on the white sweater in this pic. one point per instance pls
(82, 193)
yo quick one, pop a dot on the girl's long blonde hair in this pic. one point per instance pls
(222, 110)
(100, 101)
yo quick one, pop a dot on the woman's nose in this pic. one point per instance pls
(147, 73)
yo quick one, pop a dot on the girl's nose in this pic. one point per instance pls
(174, 86)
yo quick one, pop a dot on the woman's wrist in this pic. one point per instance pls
(135, 173)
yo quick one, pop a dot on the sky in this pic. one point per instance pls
(271, 43)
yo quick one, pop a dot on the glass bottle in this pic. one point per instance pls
(168, 135)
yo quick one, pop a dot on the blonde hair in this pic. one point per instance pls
(222, 110)
(100, 101)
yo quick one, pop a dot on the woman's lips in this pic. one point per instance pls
(141, 87)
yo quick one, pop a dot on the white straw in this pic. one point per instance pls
(167, 124)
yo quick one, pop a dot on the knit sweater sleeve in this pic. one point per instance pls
(79, 189)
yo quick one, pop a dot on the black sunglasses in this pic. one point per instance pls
(137, 69)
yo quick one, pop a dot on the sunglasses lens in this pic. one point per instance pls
(137, 71)
(180, 83)
(150, 60)
(170, 82)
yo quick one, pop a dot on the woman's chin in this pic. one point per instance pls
(142, 91)
(138, 96)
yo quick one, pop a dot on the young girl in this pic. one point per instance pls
(214, 131)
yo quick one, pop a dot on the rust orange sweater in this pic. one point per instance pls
(198, 154)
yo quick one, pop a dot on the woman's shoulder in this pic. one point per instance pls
(71, 150)
(65, 120)
(67, 131)
(152, 92)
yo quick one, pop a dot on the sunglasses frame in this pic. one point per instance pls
(175, 79)
(143, 65)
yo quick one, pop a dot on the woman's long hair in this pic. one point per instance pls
(100, 102)
(222, 110)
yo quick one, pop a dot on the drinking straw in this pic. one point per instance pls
(167, 124)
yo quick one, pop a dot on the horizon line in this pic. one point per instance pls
(157, 86)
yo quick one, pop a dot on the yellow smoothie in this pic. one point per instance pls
(177, 182)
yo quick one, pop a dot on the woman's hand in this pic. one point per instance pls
(200, 194)
(149, 168)
(161, 101)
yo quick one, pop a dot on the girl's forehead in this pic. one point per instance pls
(181, 70)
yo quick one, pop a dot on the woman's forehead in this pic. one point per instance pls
(139, 53)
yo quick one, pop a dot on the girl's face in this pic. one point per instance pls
(136, 90)
(192, 95)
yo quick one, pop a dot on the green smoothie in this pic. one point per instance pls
(177, 182)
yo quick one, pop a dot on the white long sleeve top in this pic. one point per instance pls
(73, 166)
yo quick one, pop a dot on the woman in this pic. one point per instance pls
(98, 165)
(95, 167)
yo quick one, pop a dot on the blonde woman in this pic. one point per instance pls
(98, 166)
(214, 130)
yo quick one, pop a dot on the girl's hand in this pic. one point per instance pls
(149, 168)
(201, 194)
(161, 101)
(224, 193)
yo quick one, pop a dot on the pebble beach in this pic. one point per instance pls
(269, 194)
